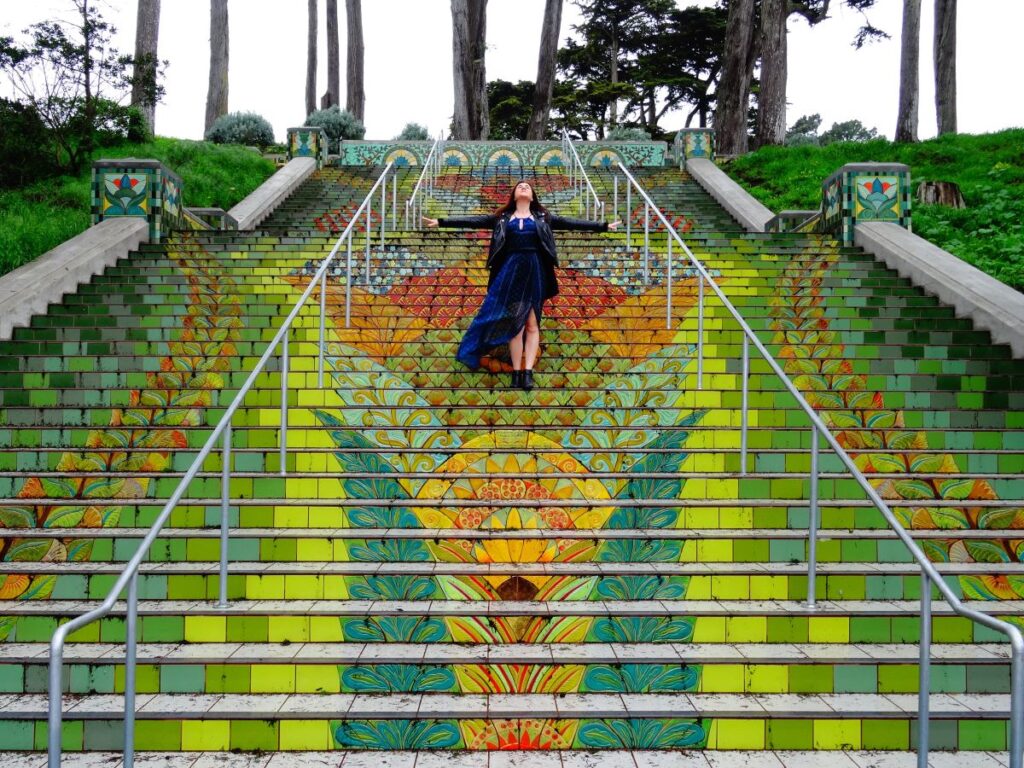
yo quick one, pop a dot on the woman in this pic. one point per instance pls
(521, 265)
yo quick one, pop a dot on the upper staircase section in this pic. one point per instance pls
(446, 563)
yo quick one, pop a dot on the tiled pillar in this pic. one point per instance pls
(139, 188)
(308, 141)
(865, 192)
(694, 142)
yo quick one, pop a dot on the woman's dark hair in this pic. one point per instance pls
(536, 208)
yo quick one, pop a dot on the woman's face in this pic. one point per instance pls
(523, 191)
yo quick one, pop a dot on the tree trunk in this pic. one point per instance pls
(613, 65)
(217, 95)
(147, 33)
(945, 65)
(86, 143)
(734, 87)
(771, 120)
(311, 53)
(333, 95)
(545, 71)
(355, 101)
(471, 119)
(941, 193)
(906, 120)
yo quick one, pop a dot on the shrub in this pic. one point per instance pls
(246, 128)
(339, 125)
(413, 132)
(25, 154)
(627, 133)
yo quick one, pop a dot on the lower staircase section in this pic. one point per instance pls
(448, 571)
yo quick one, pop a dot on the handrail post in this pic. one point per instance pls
(394, 201)
(131, 633)
(668, 287)
(348, 282)
(322, 341)
(1016, 702)
(369, 231)
(629, 215)
(615, 194)
(407, 202)
(700, 332)
(745, 409)
(383, 210)
(283, 451)
(647, 240)
(924, 671)
(812, 534)
(225, 510)
(55, 715)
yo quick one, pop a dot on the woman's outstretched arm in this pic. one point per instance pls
(487, 221)
(561, 222)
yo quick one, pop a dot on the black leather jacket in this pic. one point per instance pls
(546, 225)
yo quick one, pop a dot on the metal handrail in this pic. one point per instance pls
(129, 575)
(929, 575)
(414, 207)
(578, 178)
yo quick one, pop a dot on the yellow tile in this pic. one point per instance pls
(205, 629)
(767, 678)
(272, 678)
(709, 629)
(746, 629)
(721, 678)
(205, 735)
(292, 628)
(325, 629)
(769, 588)
(306, 735)
(837, 734)
(740, 734)
(314, 550)
(303, 588)
(335, 588)
(311, 678)
(701, 518)
(714, 551)
(264, 587)
(826, 629)
(325, 517)
(699, 588)
(291, 517)
(733, 517)
(688, 553)
(730, 588)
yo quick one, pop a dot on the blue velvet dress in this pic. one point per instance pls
(517, 289)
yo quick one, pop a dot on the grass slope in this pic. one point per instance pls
(989, 168)
(41, 216)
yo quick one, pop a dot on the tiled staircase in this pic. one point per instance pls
(452, 566)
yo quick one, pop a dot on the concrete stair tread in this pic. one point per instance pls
(605, 569)
(510, 653)
(596, 608)
(524, 759)
(512, 705)
(700, 534)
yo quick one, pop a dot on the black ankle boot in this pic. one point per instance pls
(517, 379)
(527, 379)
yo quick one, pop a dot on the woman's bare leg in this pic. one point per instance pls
(515, 349)
(532, 341)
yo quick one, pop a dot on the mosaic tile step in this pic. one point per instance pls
(532, 759)
(291, 676)
(305, 721)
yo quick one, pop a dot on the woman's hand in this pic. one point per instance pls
(614, 225)
(428, 223)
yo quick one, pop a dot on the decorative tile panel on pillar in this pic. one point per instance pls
(137, 188)
(694, 142)
(308, 141)
(865, 192)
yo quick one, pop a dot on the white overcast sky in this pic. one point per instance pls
(409, 60)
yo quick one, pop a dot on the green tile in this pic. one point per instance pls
(790, 734)
(987, 735)
(228, 678)
(17, 734)
(251, 735)
(855, 678)
(787, 630)
(12, 678)
(158, 735)
(810, 678)
(182, 678)
(897, 678)
(885, 734)
(870, 629)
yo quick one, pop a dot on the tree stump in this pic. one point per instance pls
(940, 193)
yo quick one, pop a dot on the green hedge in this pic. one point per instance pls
(989, 168)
